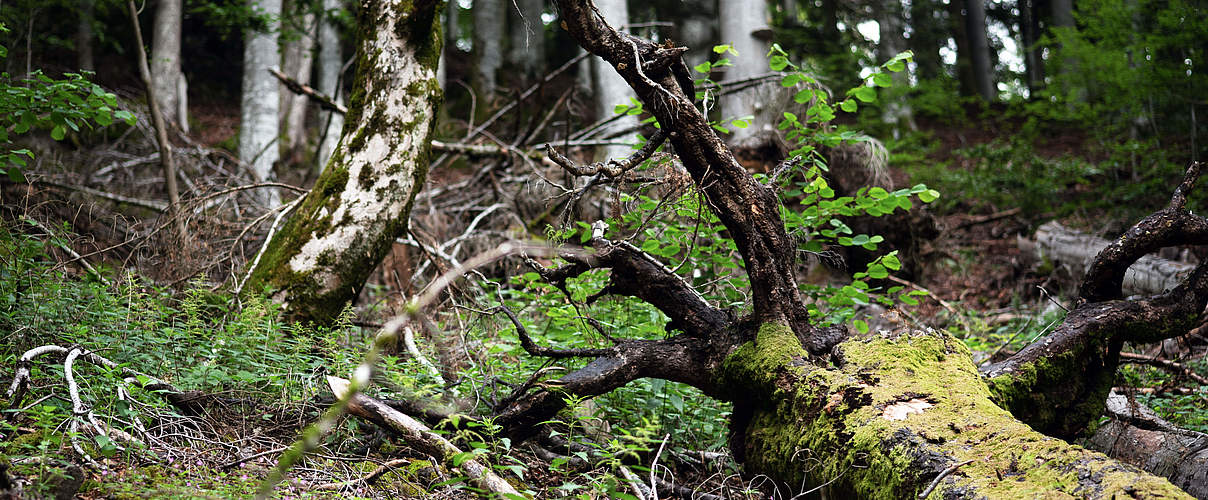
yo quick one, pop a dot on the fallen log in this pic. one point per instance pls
(1061, 245)
(1138, 436)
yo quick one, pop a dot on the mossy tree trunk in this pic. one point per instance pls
(319, 260)
(882, 415)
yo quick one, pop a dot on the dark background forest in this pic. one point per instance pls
(952, 165)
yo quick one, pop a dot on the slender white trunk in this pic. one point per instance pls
(297, 60)
(744, 25)
(609, 88)
(165, 60)
(527, 37)
(330, 63)
(488, 42)
(258, 128)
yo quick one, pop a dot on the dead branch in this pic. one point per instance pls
(325, 102)
(610, 168)
(1177, 369)
(420, 437)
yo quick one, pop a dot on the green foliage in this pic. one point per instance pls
(1132, 64)
(39, 102)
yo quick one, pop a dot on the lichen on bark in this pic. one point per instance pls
(319, 260)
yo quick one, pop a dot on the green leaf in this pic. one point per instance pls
(878, 193)
(777, 63)
(15, 175)
(848, 105)
(929, 195)
(882, 80)
(620, 109)
(877, 271)
(125, 116)
(740, 123)
(58, 132)
(704, 67)
(866, 94)
(861, 326)
(891, 261)
(895, 66)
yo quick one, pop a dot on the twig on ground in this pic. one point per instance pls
(943, 474)
(1178, 369)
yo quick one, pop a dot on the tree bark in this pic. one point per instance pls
(1029, 28)
(331, 61)
(258, 125)
(319, 260)
(979, 50)
(891, 23)
(85, 35)
(297, 60)
(744, 25)
(526, 38)
(883, 415)
(609, 89)
(1138, 436)
(489, 21)
(166, 76)
(927, 35)
(1058, 245)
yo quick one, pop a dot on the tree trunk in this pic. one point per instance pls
(979, 49)
(964, 54)
(488, 43)
(892, 42)
(258, 126)
(1029, 27)
(526, 38)
(927, 36)
(319, 260)
(165, 61)
(744, 25)
(331, 61)
(609, 89)
(85, 35)
(883, 415)
(297, 60)
(1138, 436)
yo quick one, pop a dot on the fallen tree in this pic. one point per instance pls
(1059, 245)
(876, 415)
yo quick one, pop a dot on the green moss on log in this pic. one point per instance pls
(895, 412)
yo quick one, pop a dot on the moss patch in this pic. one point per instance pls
(830, 423)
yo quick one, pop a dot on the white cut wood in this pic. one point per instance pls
(1064, 246)
(258, 125)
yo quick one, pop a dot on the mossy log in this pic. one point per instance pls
(319, 260)
(893, 412)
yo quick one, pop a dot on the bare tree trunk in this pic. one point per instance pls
(165, 61)
(259, 128)
(297, 60)
(979, 49)
(890, 20)
(526, 37)
(610, 89)
(331, 61)
(488, 43)
(85, 35)
(744, 25)
(1029, 27)
(319, 260)
(927, 35)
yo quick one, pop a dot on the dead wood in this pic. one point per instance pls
(1136, 435)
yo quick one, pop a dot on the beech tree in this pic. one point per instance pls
(877, 414)
(318, 261)
(258, 126)
(166, 76)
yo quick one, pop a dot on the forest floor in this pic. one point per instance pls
(991, 293)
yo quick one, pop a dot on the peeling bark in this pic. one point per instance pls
(319, 260)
